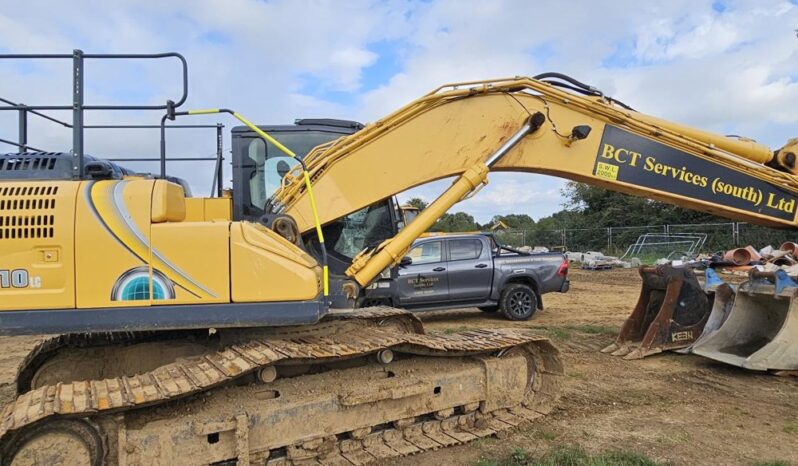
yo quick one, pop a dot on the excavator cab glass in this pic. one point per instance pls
(259, 167)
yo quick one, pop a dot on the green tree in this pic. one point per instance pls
(514, 221)
(418, 203)
(456, 222)
(601, 208)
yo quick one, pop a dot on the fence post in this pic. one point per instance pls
(609, 240)
(736, 234)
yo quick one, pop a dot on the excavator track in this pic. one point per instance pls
(67, 355)
(440, 390)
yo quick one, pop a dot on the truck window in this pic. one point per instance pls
(427, 253)
(464, 249)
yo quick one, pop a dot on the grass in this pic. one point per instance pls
(570, 456)
(791, 428)
(565, 333)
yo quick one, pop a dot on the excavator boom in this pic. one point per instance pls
(540, 128)
(583, 138)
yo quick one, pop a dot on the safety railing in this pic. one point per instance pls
(78, 107)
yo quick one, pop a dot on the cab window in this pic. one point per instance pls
(270, 168)
(271, 164)
(427, 253)
(464, 249)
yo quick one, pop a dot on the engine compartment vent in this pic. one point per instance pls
(26, 212)
(39, 161)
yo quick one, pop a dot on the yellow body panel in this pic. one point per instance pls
(200, 209)
(168, 202)
(36, 234)
(109, 219)
(266, 267)
(138, 242)
(199, 250)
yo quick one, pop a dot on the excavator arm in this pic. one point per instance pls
(532, 125)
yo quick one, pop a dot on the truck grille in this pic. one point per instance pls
(27, 212)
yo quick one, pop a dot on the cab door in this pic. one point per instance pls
(425, 280)
(470, 268)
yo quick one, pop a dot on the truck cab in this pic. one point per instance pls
(471, 270)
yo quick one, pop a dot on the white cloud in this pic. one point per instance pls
(731, 72)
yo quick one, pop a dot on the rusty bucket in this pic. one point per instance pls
(670, 314)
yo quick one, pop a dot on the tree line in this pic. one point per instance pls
(585, 207)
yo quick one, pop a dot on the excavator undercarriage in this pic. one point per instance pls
(354, 389)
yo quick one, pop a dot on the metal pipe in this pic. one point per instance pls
(23, 107)
(23, 130)
(12, 143)
(183, 63)
(532, 124)
(154, 159)
(163, 145)
(219, 158)
(77, 114)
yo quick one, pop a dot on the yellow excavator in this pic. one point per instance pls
(191, 333)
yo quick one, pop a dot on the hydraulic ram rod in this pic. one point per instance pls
(368, 265)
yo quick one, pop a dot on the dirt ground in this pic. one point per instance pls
(681, 409)
(674, 408)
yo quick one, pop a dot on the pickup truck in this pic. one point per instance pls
(470, 270)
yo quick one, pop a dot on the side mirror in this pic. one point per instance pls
(407, 260)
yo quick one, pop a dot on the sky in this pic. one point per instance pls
(725, 66)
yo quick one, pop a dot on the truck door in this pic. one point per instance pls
(425, 280)
(470, 269)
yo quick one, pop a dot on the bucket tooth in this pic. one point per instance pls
(761, 330)
(639, 353)
(611, 348)
(670, 314)
(622, 350)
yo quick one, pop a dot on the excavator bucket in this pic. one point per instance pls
(670, 314)
(761, 331)
(722, 296)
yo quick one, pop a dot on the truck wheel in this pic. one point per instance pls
(518, 302)
(489, 309)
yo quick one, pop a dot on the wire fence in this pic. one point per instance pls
(616, 240)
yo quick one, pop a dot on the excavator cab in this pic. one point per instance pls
(259, 168)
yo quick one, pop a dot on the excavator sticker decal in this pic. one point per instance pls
(135, 285)
(633, 159)
(105, 200)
